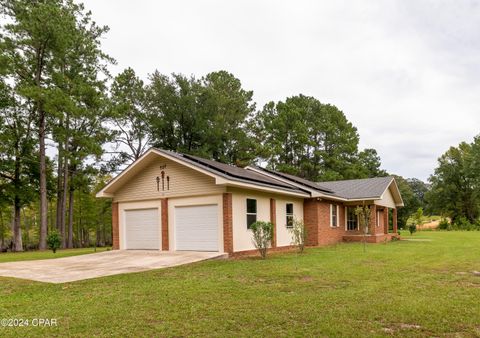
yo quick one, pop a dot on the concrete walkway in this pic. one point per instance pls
(69, 269)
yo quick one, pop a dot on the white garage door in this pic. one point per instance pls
(142, 229)
(196, 228)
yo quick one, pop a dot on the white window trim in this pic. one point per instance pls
(251, 213)
(346, 220)
(378, 218)
(331, 216)
(287, 214)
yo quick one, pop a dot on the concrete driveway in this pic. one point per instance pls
(69, 269)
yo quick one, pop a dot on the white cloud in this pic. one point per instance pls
(404, 72)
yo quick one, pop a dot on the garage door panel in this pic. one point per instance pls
(196, 228)
(142, 229)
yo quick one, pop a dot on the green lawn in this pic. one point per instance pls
(33, 255)
(408, 288)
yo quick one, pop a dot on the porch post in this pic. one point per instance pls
(385, 220)
(373, 219)
(395, 224)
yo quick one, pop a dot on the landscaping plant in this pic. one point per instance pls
(412, 228)
(363, 213)
(54, 240)
(299, 234)
(262, 236)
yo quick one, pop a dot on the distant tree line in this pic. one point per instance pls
(455, 186)
(67, 125)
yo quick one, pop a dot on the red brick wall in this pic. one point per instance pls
(310, 218)
(227, 223)
(327, 234)
(165, 243)
(273, 220)
(317, 222)
(115, 227)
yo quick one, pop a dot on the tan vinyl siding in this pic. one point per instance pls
(183, 181)
(387, 200)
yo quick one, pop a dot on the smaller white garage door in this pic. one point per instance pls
(196, 228)
(142, 229)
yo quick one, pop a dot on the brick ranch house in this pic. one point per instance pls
(170, 201)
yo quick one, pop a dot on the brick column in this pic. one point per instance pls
(227, 223)
(373, 219)
(273, 220)
(115, 227)
(310, 218)
(395, 224)
(385, 220)
(165, 238)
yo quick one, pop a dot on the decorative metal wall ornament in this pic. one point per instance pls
(162, 177)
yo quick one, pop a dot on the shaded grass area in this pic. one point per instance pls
(407, 288)
(48, 254)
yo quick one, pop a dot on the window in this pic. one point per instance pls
(289, 212)
(378, 218)
(251, 212)
(333, 215)
(352, 219)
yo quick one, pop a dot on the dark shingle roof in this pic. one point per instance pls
(368, 188)
(299, 180)
(360, 188)
(231, 172)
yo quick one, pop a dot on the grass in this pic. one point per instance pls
(34, 255)
(406, 288)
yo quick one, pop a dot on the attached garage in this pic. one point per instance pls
(142, 229)
(196, 228)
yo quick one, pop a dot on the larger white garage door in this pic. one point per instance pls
(196, 228)
(142, 229)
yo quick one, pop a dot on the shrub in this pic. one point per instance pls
(262, 236)
(463, 223)
(54, 240)
(412, 228)
(444, 224)
(418, 217)
(299, 234)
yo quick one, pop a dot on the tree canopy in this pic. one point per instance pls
(455, 184)
(307, 138)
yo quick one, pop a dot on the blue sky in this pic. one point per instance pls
(406, 73)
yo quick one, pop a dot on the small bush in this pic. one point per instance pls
(444, 224)
(299, 234)
(412, 228)
(54, 240)
(262, 236)
(463, 223)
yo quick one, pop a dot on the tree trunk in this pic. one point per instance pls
(64, 203)
(70, 218)
(43, 182)
(2, 232)
(27, 227)
(58, 223)
(17, 230)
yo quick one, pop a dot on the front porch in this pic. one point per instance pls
(379, 226)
